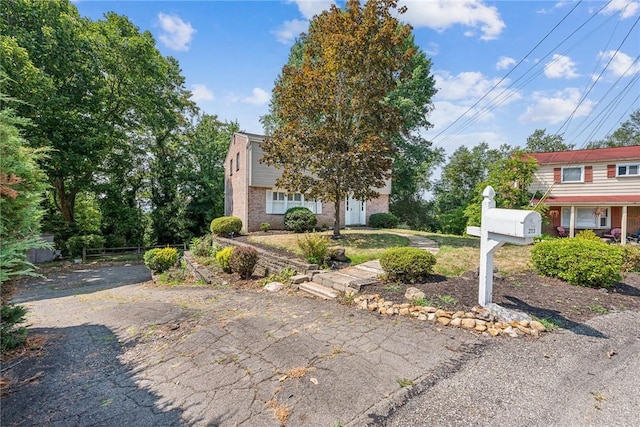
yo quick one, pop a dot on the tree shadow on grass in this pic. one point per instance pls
(78, 380)
(552, 315)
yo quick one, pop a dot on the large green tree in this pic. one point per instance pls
(540, 142)
(510, 177)
(202, 178)
(107, 103)
(626, 135)
(461, 175)
(335, 123)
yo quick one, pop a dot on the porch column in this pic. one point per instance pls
(623, 237)
(572, 222)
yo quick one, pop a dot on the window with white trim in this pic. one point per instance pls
(587, 217)
(279, 201)
(628, 169)
(573, 174)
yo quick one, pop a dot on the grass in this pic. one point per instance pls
(598, 309)
(403, 382)
(456, 254)
(360, 245)
(550, 323)
(439, 301)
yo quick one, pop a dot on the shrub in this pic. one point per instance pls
(631, 259)
(204, 246)
(89, 241)
(579, 261)
(383, 220)
(299, 220)
(407, 265)
(588, 235)
(225, 225)
(74, 246)
(243, 261)
(12, 336)
(265, 226)
(315, 248)
(160, 259)
(222, 257)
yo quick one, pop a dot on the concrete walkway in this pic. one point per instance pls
(351, 279)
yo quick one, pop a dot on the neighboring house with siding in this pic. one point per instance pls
(597, 189)
(252, 196)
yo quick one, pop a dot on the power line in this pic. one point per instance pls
(510, 71)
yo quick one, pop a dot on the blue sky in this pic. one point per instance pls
(580, 79)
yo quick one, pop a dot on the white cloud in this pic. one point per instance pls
(626, 8)
(555, 108)
(442, 14)
(622, 65)
(558, 5)
(505, 63)
(467, 87)
(258, 97)
(289, 30)
(176, 34)
(310, 8)
(560, 67)
(200, 92)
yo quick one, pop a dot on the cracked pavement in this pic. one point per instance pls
(121, 351)
(139, 354)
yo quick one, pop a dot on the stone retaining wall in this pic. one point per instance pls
(269, 262)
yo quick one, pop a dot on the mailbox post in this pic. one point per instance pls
(500, 226)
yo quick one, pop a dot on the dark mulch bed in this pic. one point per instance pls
(542, 297)
(538, 296)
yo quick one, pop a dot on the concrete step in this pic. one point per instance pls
(318, 290)
(334, 279)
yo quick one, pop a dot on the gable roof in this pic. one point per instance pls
(588, 156)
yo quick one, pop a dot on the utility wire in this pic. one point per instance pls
(602, 72)
(510, 71)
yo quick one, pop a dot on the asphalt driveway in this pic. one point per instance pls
(122, 351)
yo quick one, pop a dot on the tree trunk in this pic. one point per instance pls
(66, 201)
(336, 219)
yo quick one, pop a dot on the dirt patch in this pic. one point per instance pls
(542, 297)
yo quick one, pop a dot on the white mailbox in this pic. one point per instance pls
(512, 222)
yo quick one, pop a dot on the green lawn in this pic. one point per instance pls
(360, 245)
(456, 254)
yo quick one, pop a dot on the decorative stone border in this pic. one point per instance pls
(479, 319)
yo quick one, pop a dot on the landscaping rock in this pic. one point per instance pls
(299, 278)
(537, 326)
(413, 293)
(468, 323)
(337, 254)
(480, 319)
(274, 286)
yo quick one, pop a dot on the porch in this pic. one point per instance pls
(599, 218)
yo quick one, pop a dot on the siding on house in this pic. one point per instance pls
(601, 188)
(260, 174)
(247, 182)
(600, 184)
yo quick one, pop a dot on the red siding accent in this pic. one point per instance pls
(611, 171)
(588, 174)
(557, 175)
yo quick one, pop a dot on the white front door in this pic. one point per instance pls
(355, 213)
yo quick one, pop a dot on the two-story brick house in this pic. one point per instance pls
(596, 189)
(251, 194)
